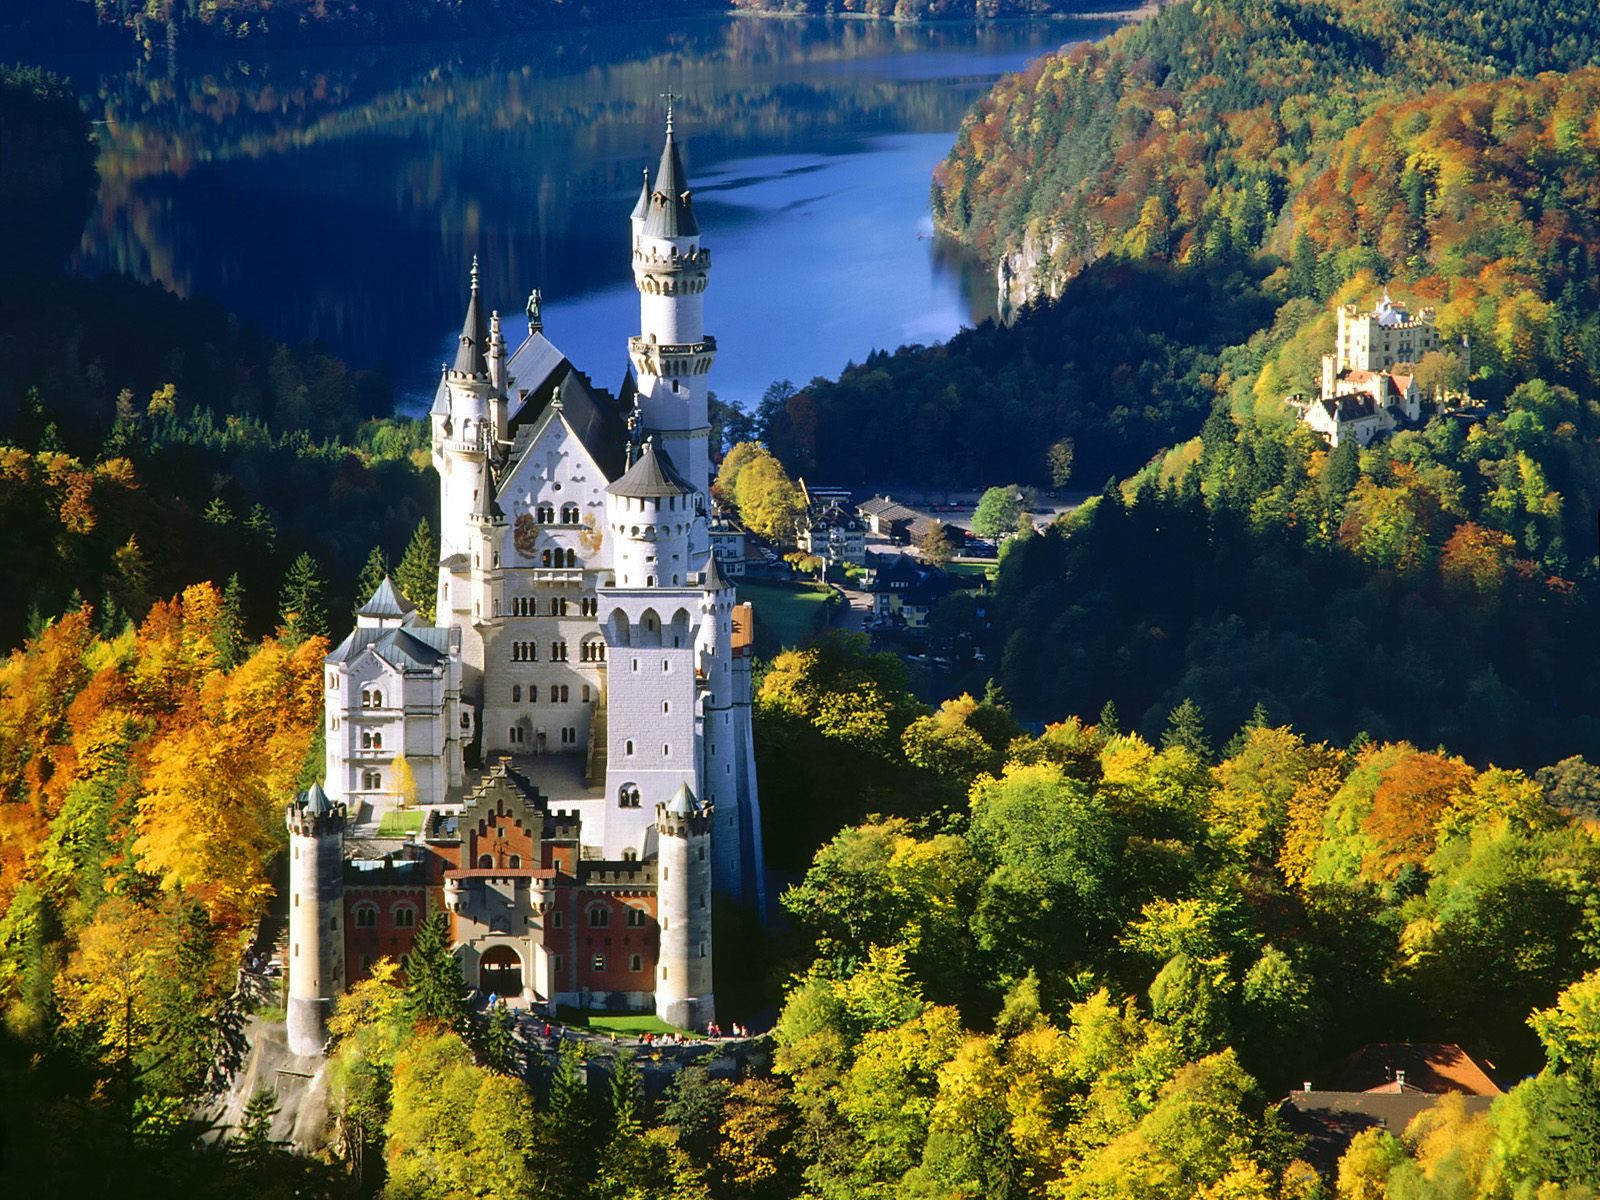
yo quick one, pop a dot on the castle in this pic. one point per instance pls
(571, 738)
(1369, 385)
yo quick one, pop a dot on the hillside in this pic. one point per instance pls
(1185, 137)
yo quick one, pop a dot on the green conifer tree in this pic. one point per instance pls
(303, 612)
(435, 990)
(1186, 727)
(1108, 719)
(572, 1127)
(417, 576)
(232, 639)
(253, 1146)
(372, 573)
(497, 1043)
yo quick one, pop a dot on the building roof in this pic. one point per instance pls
(386, 602)
(1329, 1121)
(590, 413)
(651, 477)
(711, 578)
(472, 350)
(534, 367)
(683, 802)
(836, 516)
(484, 507)
(406, 647)
(671, 215)
(315, 801)
(643, 206)
(1434, 1067)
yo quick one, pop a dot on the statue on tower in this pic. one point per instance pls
(535, 318)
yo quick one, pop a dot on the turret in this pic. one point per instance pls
(465, 435)
(683, 911)
(316, 909)
(497, 380)
(672, 354)
(651, 510)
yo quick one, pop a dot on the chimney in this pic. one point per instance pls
(1400, 1078)
(1308, 1085)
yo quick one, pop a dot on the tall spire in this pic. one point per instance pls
(670, 215)
(471, 353)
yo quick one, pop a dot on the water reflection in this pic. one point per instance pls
(338, 194)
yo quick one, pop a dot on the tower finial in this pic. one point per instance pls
(669, 96)
(474, 272)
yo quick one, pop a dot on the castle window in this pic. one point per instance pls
(666, 750)
(599, 962)
(555, 923)
(569, 514)
(371, 780)
(558, 606)
(533, 693)
(649, 581)
(628, 796)
(564, 692)
(702, 949)
(405, 917)
(515, 735)
(630, 856)
(515, 861)
(485, 861)
(516, 693)
(366, 917)
(545, 514)
(572, 558)
(627, 748)
(545, 559)
(558, 652)
(585, 693)
(635, 916)
(666, 706)
(636, 962)
(599, 918)
(555, 961)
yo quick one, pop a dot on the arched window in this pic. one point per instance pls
(485, 861)
(636, 962)
(533, 693)
(377, 741)
(600, 962)
(516, 693)
(635, 918)
(630, 856)
(564, 693)
(366, 916)
(599, 917)
(405, 917)
(545, 560)
(572, 559)
(627, 748)
(545, 514)
(569, 514)
(666, 706)
(586, 693)
(558, 652)
(628, 794)
(371, 780)
(514, 862)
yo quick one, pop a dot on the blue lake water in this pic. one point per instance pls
(340, 195)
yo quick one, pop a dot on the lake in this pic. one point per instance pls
(340, 194)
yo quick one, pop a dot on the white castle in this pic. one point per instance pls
(577, 720)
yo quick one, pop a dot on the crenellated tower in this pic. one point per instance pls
(316, 911)
(683, 911)
(672, 354)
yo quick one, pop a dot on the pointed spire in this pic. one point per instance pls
(642, 208)
(711, 578)
(670, 215)
(484, 508)
(471, 356)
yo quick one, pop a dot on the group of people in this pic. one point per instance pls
(713, 1030)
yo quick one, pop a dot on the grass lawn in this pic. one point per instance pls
(622, 1024)
(398, 824)
(988, 569)
(792, 612)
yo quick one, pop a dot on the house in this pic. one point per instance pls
(728, 544)
(1383, 1086)
(886, 518)
(836, 534)
(905, 589)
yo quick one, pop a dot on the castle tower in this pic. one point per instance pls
(672, 355)
(316, 911)
(728, 781)
(683, 911)
(464, 435)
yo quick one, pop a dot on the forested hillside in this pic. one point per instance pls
(1183, 137)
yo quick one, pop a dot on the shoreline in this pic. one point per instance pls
(1142, 12)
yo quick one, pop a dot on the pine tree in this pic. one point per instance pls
(435, 990)
(231, 639)
(253, 1146)
(497, 1043)
(572, 1126)
(1186, 727)
(372, 574)
(302, 609)
(417, 576)
(1108, 719)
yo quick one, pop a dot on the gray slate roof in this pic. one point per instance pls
(711, 578)
(386, 602)
(592, 413)
(315, 801)
(651, 477)
(683, 802)
(472, 351)
(671, 214)
(410, 647)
